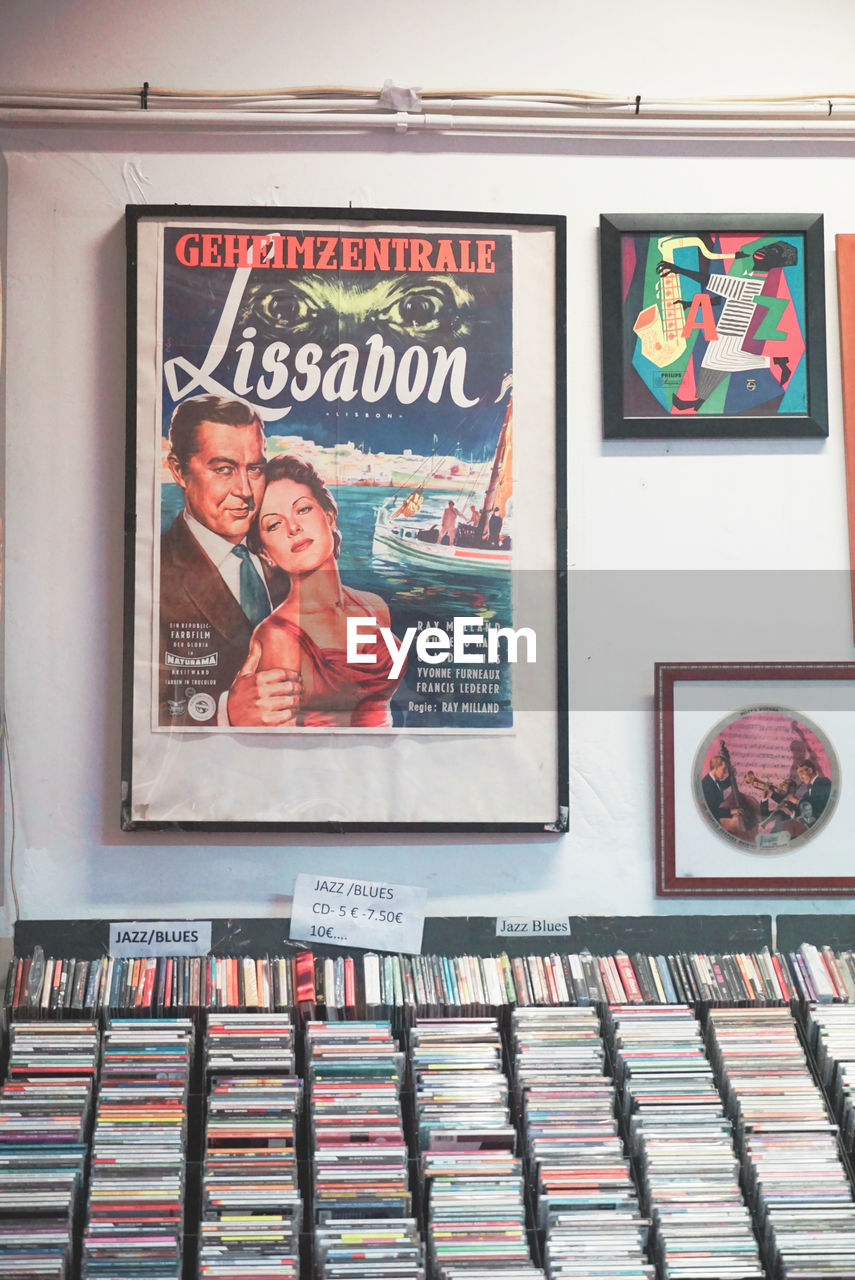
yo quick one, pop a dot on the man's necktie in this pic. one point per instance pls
(253, 593)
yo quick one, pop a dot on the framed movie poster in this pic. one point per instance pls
(346, 581)
(713, 326)
(754, 778)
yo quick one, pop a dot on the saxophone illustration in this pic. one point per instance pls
(660, 326)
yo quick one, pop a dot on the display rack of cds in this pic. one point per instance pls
(467, 1127)
(683, 1146)
(474, 1151)
(471, 1173)
(252, 1209)
(585, 1202)
(45, 1118)
(135, 1217)
(362, 1205)
(794, 1169)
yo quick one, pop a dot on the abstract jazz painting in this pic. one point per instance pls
(713, 326)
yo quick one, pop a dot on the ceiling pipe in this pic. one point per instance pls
(536, 114)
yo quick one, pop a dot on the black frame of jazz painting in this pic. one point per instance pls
(713, 326)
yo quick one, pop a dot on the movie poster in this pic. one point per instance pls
(382, 366)
(325, 420)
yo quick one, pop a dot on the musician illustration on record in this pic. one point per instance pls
(795, 804)
(734, 811)
(718, 793)
(766, 780)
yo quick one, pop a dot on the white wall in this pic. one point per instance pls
(620, 46)
(652, 526)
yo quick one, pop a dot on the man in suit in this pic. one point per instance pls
(818, 788)
(714, 784)
(213, 590)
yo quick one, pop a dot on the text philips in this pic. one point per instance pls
(469, 641)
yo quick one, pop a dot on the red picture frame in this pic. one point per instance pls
(754, 766)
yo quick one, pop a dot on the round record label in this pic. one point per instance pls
(201, 706)
(766, 779)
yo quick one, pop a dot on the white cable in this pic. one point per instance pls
(335, 107)
(4, 739)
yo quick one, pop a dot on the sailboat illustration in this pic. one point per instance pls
(408, 530)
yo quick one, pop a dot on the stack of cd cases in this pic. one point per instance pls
(136, 1191)
(251, 1202)
(793, 1168)
(249, 1042)
(586, 1206)
(45, 1112)
(832, 1030)
(362, 1205)
(683, 1145)
(471, 1173)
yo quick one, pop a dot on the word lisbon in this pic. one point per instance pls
(465, 644)
(261, 376)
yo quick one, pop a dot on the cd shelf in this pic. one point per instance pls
(309, 984)
(660, 1141)
(547, 1063)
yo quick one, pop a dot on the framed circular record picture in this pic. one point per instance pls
(766, 778)
(753, 778)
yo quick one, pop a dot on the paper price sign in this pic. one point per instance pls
(358, 913)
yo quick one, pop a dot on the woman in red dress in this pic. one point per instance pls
(296, 528)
